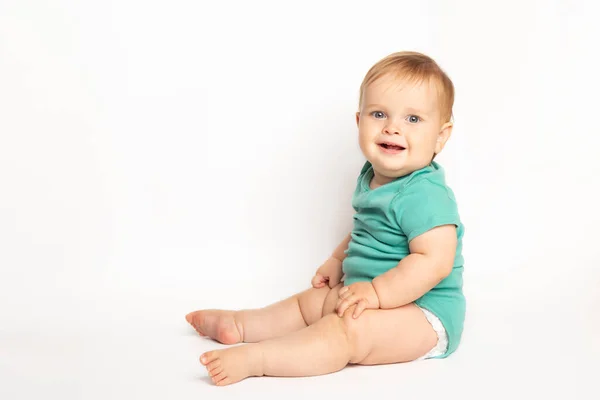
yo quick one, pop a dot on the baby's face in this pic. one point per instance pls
(400, 127)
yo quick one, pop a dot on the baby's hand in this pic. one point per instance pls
(329, 273)
(361, 293)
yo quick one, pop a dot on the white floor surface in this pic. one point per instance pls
(138, 346)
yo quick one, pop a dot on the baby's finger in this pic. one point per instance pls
(338, 305)
(340, 310)
(344, 306)
(317, 281)
(345, 294)
(360, 307)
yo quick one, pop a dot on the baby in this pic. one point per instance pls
(401, 297)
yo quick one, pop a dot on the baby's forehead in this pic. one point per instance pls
(404, 87)
(398, 90)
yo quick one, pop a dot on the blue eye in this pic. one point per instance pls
(413, 119)
(378, 114)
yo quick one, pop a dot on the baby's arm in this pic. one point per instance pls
(340, 252)
(430, 260)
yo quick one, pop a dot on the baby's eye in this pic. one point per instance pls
(378, 114)
(413, 119)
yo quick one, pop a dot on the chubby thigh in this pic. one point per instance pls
(385, 336)
(389, 336)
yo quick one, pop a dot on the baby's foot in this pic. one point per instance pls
(216, 324)
(232, 365)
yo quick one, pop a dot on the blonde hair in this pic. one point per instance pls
(415, 67)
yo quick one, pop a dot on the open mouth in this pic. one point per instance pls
(389, 146)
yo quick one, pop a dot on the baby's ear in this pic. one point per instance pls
(357, 117)
(443, 136)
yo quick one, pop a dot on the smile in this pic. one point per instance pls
(391, 148)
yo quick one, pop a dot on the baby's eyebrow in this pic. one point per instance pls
(415, 111)
(374, 106)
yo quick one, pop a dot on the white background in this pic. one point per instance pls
(160, 157)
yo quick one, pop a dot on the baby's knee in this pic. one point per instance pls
(311, 304)
(350, 324)
(356, 334)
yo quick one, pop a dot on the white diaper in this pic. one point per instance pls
(442, 343)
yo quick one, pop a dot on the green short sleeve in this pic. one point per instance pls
(424, 205)
(365, 168)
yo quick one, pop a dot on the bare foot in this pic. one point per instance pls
(232, 365)
(216, 324)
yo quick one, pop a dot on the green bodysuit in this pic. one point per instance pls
(388, 218)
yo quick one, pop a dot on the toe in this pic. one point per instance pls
(224, 382)
(215, 371)
(208, 357)
(190, 318)
(219, 377)
(199, 331)
(213, 365)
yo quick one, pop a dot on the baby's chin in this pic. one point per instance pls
(391, 174)
(391, 171)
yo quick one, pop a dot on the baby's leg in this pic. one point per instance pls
(289, 315)
(376, 337)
